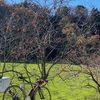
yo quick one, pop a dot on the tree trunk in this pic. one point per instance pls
(43, 63)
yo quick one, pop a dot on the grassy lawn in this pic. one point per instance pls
(63, 84)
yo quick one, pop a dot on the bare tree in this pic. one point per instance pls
(29, 34)
(84, 39)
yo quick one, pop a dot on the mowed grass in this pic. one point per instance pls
(65, 82)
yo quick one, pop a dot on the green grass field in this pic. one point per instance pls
(68, 85)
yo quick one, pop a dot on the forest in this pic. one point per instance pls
(69, 26)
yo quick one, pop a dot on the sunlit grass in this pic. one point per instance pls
(67, 85)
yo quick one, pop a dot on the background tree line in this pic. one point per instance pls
(76, 24)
